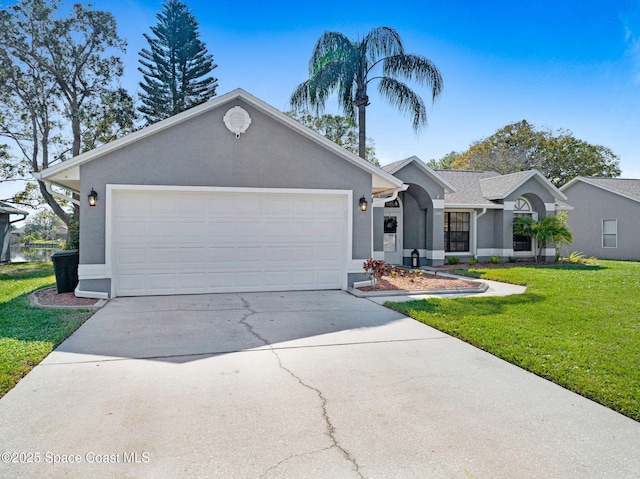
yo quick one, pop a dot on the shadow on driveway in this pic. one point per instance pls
(185, 328)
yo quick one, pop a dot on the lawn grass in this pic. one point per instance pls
(28, 334)
(577, 326)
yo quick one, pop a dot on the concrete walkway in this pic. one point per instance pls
(292, 385)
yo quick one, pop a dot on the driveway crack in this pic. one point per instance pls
(330, 428)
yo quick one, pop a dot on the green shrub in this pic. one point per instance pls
(512, 259)
(495, 259)
(473, 261)
(453, 260)
(578, 257)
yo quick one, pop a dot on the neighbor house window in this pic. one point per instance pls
(609, 233)
(456, 231)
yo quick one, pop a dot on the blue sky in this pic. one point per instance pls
(558, 64)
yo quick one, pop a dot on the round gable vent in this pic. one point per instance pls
(237, 120)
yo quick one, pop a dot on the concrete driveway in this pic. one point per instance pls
(293, 385)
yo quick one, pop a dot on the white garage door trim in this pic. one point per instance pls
(112, 191)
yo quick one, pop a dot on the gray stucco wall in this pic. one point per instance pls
(591, 205)
(486, 228)
(203, 152)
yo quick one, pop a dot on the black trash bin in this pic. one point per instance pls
(65, 265)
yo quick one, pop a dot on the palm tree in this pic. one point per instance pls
(549, 228)
(346, 67)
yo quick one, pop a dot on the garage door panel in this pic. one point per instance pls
(174, 242)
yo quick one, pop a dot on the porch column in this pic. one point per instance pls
(435, 233)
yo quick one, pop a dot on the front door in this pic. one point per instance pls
(393, 234)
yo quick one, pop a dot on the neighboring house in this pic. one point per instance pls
(6, 211)
(460, 213)
(229, 196)
(605, 220)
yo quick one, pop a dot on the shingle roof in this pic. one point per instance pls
(497, 187)
(11, 210)
(468, 190)
(624, 186)
(391, 166)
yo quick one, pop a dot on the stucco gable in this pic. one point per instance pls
(67, 174)
(625, 187)
(397, 166)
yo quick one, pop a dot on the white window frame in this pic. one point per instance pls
(615, 234)
(472, 233)
(522, 206)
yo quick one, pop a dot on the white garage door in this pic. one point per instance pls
(183, 242)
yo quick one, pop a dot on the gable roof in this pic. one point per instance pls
(8, 209)
(396, 166)
(67, 173)
(501, 186)
(626, 187)
(485, 188)
(468, 192)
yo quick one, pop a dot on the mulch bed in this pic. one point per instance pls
(50, 297)
(417, 282)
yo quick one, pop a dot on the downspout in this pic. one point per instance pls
(382, 201)
(475, 243)
(21, 219)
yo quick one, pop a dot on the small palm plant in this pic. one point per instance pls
(548, 229)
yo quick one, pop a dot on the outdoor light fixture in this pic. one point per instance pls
(363, 203)
(93, 197)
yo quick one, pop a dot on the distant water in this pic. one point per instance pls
(20, 255)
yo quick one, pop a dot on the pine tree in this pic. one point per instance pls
(176, 68)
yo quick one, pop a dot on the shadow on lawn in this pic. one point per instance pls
(17, 271)
(483, 306)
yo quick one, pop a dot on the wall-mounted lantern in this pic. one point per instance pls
(363, 203)
(93, 197)
(415, 258)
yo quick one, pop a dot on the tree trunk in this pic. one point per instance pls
(51, 201)
(362, 131)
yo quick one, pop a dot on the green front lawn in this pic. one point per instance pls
(577, 326)
(28, 334)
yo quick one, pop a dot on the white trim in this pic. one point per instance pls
(93, 271)
(497, 252)
(550, 207)
(548, 251)
(476, 206)
(472, 227)
(90, 294)
(111, 189)
(378, 255)
(509, 205)
(398, 213)
(434, 254)
(438, 204)
(610, 234)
